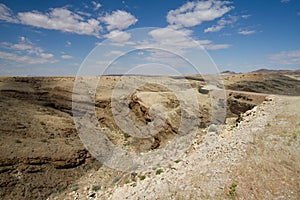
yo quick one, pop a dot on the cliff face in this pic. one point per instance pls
(40, 150)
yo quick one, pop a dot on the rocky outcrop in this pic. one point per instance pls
(238, 102)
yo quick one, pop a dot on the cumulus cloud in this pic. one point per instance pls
(61, 19)
(194, 13)
(24, 59)
(214, 28)
(170, 36)
(118, 36)
(119, 20)
(177, 34)
(65, 20)
(6, 14)
(221, 24)
(167, 38)
(96, 5)
(286, 58)
(180, 41)
(66, 57)
(26, 52)
(246, 32)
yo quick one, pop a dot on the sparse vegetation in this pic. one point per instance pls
(268, 124)
(126, 135)
(18, 141)
(133, 185)
(232, 191)
(44, 140)
(116, 179)
(232, 127)
(177, 161)
(159, 171)
(142, 177)
(295, 136)
(74, 187)
(95, 188)
(42, 123)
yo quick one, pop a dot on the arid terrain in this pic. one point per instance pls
(253, 154)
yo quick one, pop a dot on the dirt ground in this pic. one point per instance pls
(42, 154)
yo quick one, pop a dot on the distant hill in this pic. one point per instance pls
(291, 72)
(227, 72)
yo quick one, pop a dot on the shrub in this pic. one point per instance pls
(44, 140)
(43, 123)
(96, 187)
(142, 177)
(232, 191)
(159, 171)
(18, 141)
(295, 135)
(74, 188)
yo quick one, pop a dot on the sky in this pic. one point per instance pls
(59, 37)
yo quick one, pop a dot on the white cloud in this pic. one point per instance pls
(46, 55)
(114, 52)
(65, 20)
(245, 16)
(25, 59)
(247, 32)
(66, 57)
(26, 52)
(96, 5)
(221, 24)
(23, 47)
(214, 28)
(68, 43)
(61, 19)
(178, 40)
(119, 20)
(194, 13)
(84, 13)
(6, 14)
(169, 36)
(286, 58)
(22, 39)
(118, 36)
(217, 46)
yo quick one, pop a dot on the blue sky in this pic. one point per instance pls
(55, 37)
